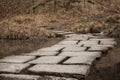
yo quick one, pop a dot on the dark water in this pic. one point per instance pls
(15, 47)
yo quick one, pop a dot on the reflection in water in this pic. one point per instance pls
(17, 46)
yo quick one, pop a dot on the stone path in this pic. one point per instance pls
(70, 59)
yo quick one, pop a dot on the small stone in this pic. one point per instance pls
(13, 68)
(80, 60)
(82, 70)
(48, 60)
(17, 59)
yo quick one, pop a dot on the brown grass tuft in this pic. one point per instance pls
(113, 19)
(88, 27)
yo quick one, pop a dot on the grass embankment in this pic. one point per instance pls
(24, 34)
(24, 27)
(88, 27)
(110, 25)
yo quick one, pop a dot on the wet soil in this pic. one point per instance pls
(16, 47)
(108, 67)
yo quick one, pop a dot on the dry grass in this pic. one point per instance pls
(24, 27)
(114, 31)
(88, 27)
(113, 19)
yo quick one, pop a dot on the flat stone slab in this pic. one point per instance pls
(84, 36)
(51, 49)
(18, 77)
(17, 59)
(76, 39)
(38, 53)
(73, 54)
(64, 45)
(102, 46)
(68, 42)
(31, 77)
(97, 49)
(56, 78)
(68, 45)
(74, 49)
(104, 39)
(82, 70)
(80, 60)
(108, 42)
(58, 31)
(88, 42)
(48, 60)
(13, 68)
(70, 35)
(107, 46)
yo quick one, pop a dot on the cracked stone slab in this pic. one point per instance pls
(88, 42)
(18, 77)
(82, 70)
(73, 54)
(52, 49)
(13, 68)
(68, 42)
(74, 49)
(80, 60)
(97, 48)
(38, 53)
(17, 59)
(48, 60)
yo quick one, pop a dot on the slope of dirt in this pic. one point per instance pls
(108, 68)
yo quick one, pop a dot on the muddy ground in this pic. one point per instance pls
(16, 47)
(108, 67)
